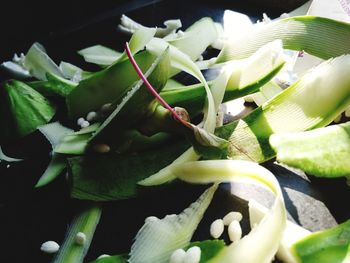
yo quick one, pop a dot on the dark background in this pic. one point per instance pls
(31, 216)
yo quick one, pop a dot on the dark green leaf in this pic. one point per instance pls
(115, 176)
(22, 110)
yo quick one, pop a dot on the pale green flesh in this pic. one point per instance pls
(313, 101)
(324, 152)
(315, 35)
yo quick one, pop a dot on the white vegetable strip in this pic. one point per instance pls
(265, 237)
(4, 157)
(159, 238)
(292, 233)
(99, 55)
(38, 63)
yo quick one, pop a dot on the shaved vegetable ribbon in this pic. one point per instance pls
(158, 238)
(151, 89)
(85, 222)
(266, 236)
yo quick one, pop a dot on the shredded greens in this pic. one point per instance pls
(140, 126)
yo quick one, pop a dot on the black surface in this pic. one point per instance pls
(31, 216)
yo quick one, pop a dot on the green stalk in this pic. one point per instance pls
(318, 36)
(85, 222)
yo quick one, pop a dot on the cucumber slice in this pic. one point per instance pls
(313, 101)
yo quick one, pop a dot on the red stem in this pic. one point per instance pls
(151, 89)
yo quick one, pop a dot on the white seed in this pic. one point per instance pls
(106, 107)
(85, 124)
(80, 121)
(80, 238)
(91, 116)
(234, 231)
(178, 256)
(237, 216)
(102, 148)
(193, 255)
(50, 247)
(217, 228)
(103, 256)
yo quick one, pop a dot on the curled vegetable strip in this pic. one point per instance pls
(265, 238)
(158, 238)
(4, 157)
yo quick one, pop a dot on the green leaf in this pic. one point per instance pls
(314, 35)
(323, 152)
(22, 110)
(60, 86)
(137, 104)
(114, 176)
(112, 259)
(54, 169)
(331, 245)
(85, 222)
(209, 248)
(313, 101)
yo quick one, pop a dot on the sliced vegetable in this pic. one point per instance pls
(22, 110)
(158, 238)
(309, 103)
(100, 55)
(314, 35)
(246, 76)
(331, 245)
(38, 63)
(203, 33)
(85, 222)
(128, 25)
(4, 157)
(291, 234)
(323, 152)
(266, 236)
